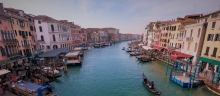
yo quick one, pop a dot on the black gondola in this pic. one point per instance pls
(150, 85)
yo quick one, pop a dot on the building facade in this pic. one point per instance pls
(21, 27)
(8, 42)
(52, 34)
(210, 52)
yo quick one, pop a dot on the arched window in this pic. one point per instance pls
(198, 32)
(52, 27)
(42, 38)
(188, 46)
(54, 39)
(195, 47)
(40, 28)
(183, 45)
(191, 33)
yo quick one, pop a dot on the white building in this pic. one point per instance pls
(52, 34)
(193, 40)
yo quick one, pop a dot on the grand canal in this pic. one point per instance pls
(111, 71)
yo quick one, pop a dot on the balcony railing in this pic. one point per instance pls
(26, 46)
(180, 38)
(9, 41)
(189, 39)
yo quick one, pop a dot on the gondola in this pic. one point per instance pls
(150, 85)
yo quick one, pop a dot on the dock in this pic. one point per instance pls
(183, 81)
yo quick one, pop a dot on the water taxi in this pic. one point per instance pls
(73, 58)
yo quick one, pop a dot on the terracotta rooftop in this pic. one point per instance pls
(218, 11)
(44, 18)
(12, 10)
(193, 16)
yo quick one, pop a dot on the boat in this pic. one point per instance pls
(80, 49)
(212, 88)
(123, 48)
(73, 58)
(150, 85)
(98, 45)
(31, 89)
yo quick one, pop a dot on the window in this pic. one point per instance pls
(214, 52)
(207, 51)
(210, 37)
(40, 28)
(39, 22)
(185, 33)
(217, 37)
(48, 47)
(213, 24)
(188, 46)
(54, 39)
(42, 38)
(26, 33)
(19, 32)
(191, 33)
(195, 47)
(12, 21)
(15, 32)
(31, 28)
(29, 33)
(0, 22)
(17, 22)
(52, 27)
(198, 32)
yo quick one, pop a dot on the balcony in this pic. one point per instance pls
(25, 37)
(189, 39)
(180, 38)
(26, 46)
(9, 41)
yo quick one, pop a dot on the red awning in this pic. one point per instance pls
(158, 48)
(174, 57)
(183, 55)
(170, 51)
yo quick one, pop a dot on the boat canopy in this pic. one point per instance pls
(73, 53)
(77, 49)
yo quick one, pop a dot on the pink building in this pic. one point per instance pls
(8, 43)
(157, 34)
(76, 35)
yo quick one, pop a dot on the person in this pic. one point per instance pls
(3, 88)
(152, 84)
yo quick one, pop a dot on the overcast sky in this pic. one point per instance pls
(130, 16)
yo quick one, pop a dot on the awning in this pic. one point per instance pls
(174, 57)
(158, 48)
(3, 71)
(38, 59)
(146, 47)
(183, 55)
(210, 61)
(170, 51)
(32, 56)
(8, 61)
(39, 51)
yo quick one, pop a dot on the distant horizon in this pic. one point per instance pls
(129, 16)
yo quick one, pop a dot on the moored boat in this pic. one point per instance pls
(123, 48)
(150, 85)
(73, 58)
(213, 88)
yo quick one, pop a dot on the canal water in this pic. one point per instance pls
(111, 71)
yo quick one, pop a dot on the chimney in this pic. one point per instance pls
(2, 9)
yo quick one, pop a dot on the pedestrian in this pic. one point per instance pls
(3, 88)
(17, 72)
